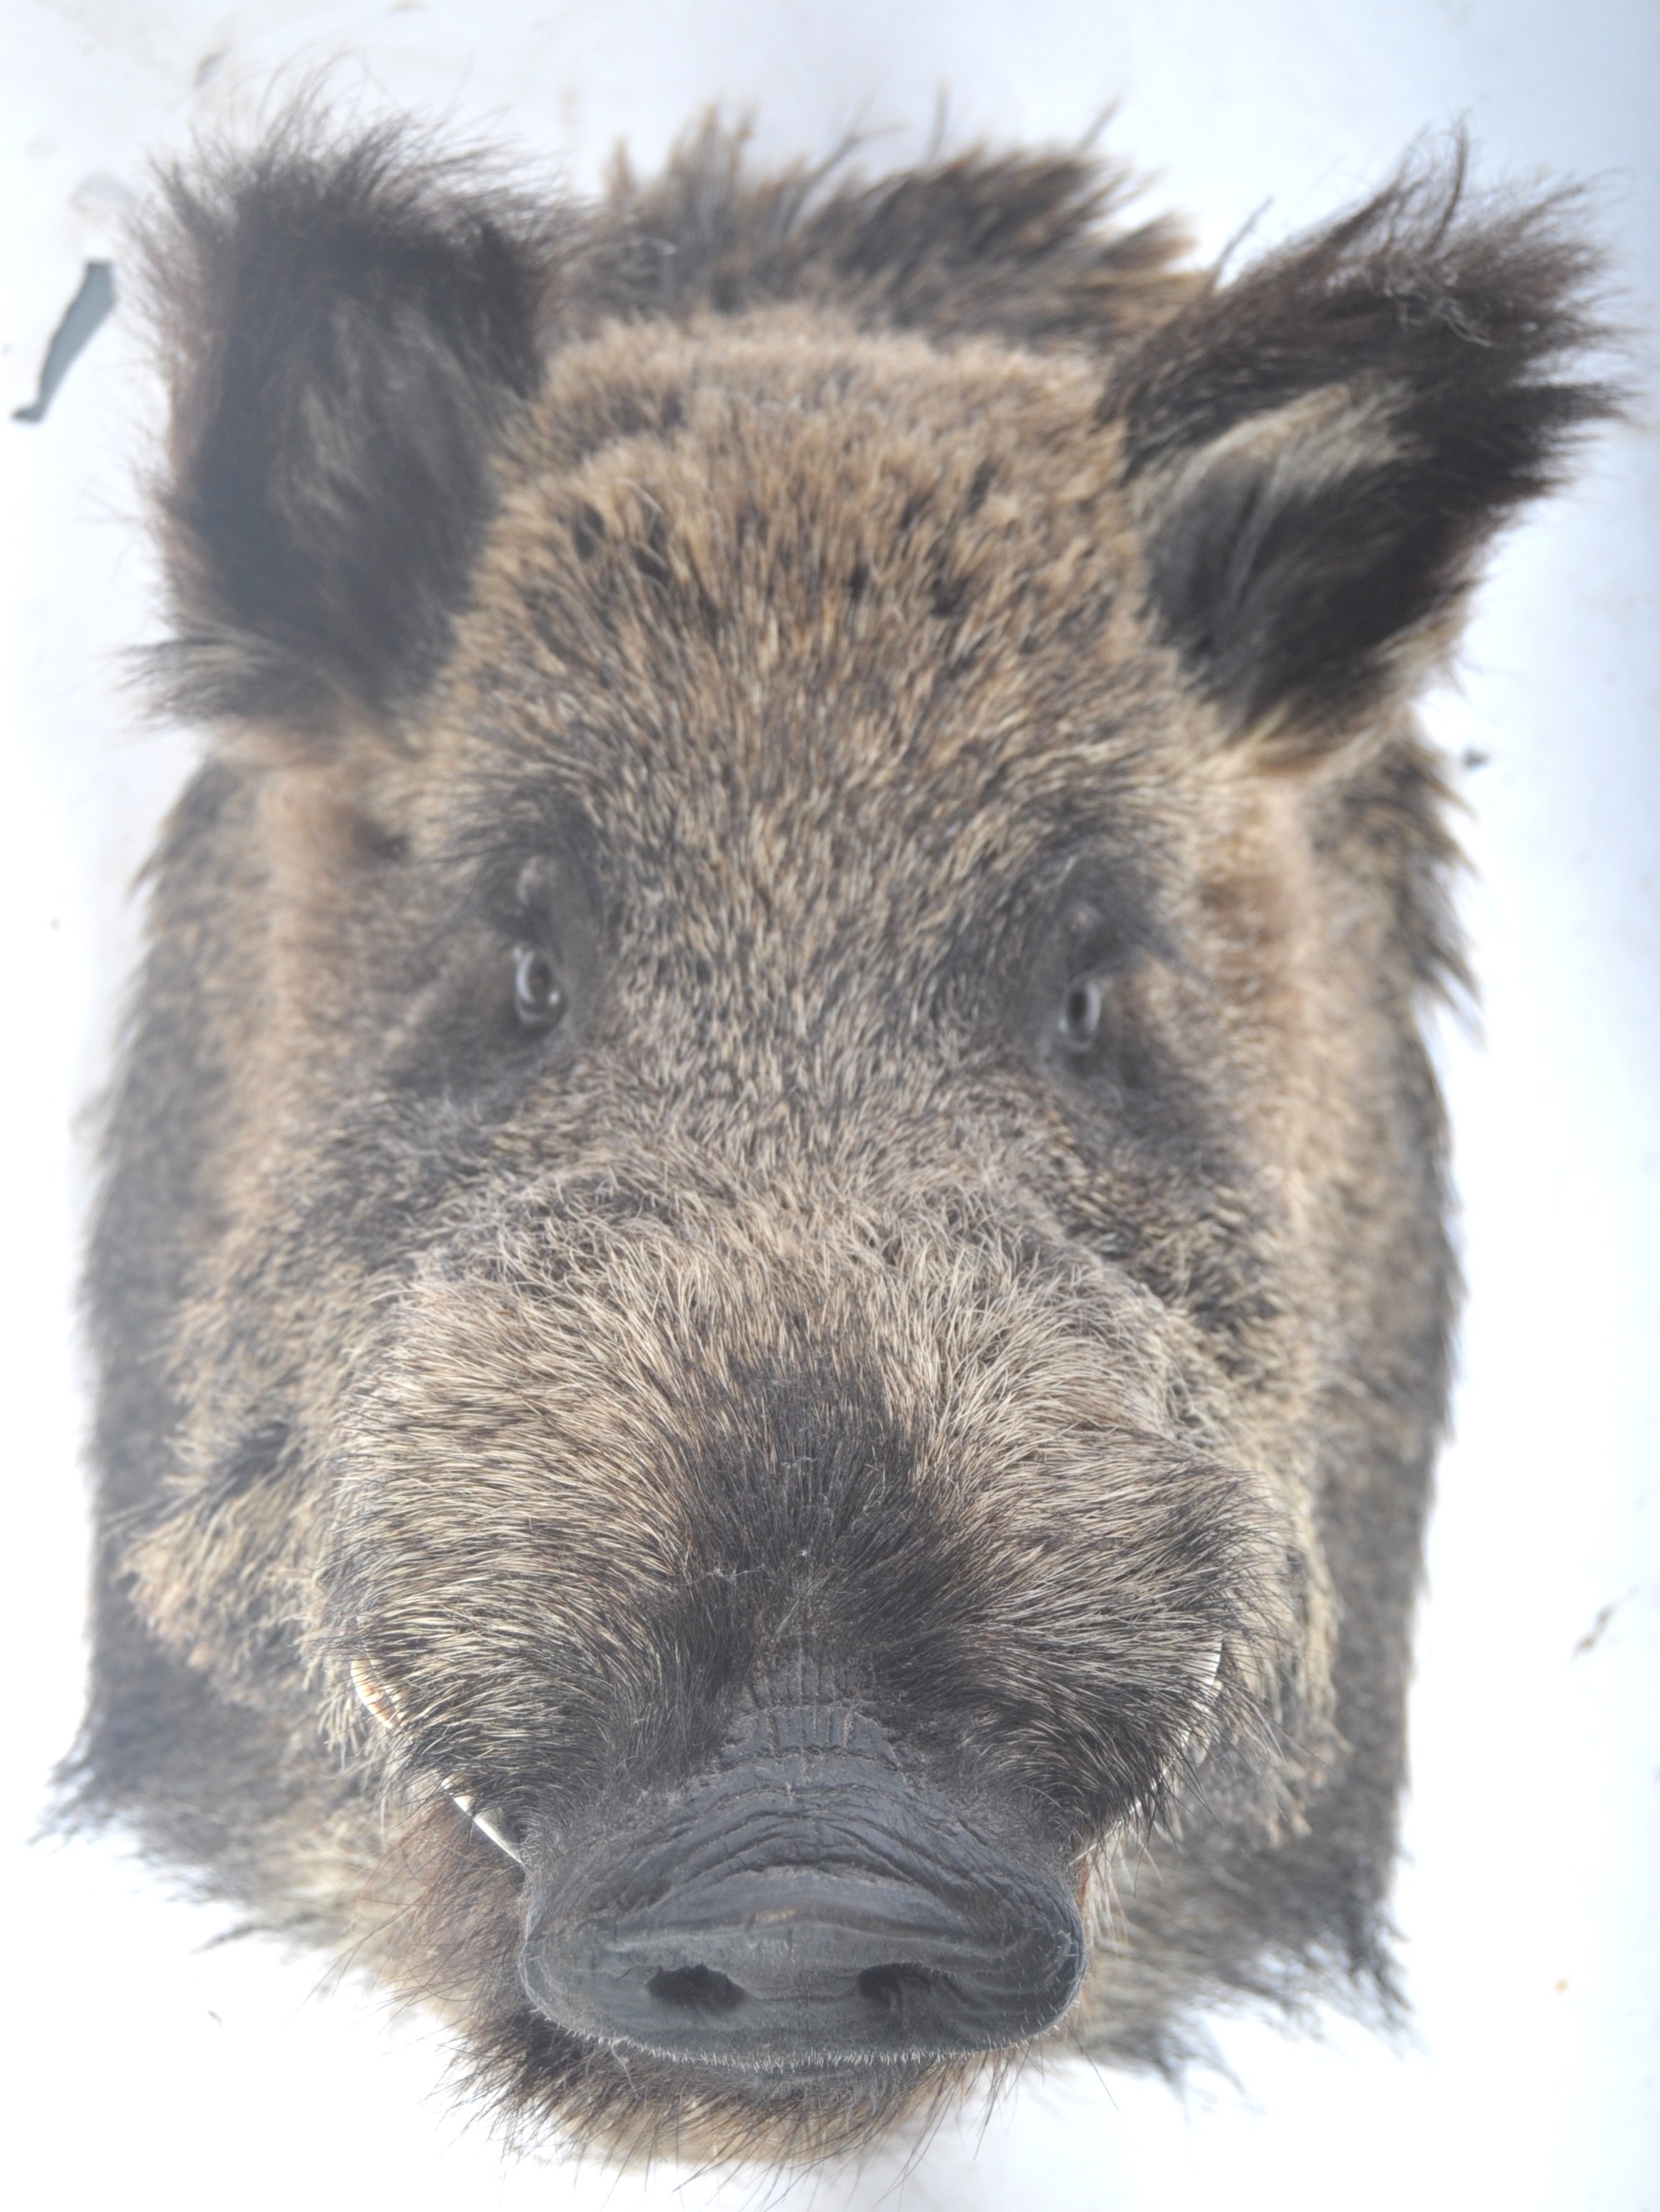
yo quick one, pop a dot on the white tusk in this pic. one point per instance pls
(375, 1700)
(1207, 1695)
(383, 1705)
(464, 1803)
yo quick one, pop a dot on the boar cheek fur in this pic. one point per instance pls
(792, 603)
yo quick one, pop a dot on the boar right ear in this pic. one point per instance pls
(349, 328)
(1317, 452)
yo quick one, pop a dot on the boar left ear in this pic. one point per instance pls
(1317, 452)
(348, 327)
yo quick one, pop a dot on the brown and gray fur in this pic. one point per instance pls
(966, 1270)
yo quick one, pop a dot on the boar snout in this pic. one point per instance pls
(812, 1904)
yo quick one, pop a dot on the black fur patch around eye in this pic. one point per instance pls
(455, 1035)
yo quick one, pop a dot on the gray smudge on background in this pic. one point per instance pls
(87, 310)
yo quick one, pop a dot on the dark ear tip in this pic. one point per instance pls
(1429, 260)
(353, 210)
(1319, 449)
(347, 318)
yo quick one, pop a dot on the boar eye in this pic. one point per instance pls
(1080, 1014)
(537, 998)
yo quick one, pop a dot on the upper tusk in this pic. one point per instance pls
(377, 1701)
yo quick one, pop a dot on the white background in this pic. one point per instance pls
(146, 2067)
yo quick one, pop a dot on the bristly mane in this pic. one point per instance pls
(1027, 247)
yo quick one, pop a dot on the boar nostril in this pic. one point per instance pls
(883, 1988)
(700, 1992)
(697, 1991)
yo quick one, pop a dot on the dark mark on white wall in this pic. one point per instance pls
(1593, 1635)
(86, 310)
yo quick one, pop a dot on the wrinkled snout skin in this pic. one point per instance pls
(772, 1280)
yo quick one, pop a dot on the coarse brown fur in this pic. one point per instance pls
(966, 1254)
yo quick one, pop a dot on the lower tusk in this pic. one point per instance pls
(379, 1701)
(485, 1826)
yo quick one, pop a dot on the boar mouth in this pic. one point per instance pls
(816, 1909)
